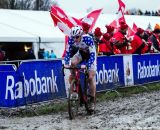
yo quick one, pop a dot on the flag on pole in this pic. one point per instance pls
(65, 22)
(61, 20)
(91, 18)
(121, 11)
(120, 15)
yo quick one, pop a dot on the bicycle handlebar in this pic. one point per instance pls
(76, 67)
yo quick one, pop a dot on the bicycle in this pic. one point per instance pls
(78, 96)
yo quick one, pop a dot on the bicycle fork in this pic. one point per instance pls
(74, 94)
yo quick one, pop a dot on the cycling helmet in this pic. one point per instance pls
(76, 31)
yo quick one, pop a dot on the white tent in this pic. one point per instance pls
(37, 27)
(30, 26)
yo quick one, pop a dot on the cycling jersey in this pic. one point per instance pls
(85, 48)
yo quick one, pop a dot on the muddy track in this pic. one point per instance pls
(141, 111)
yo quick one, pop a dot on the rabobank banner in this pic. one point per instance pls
(110, 72)
(37, 81)
(34, 81)
(146, 68)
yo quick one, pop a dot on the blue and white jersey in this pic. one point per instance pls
(85, 47)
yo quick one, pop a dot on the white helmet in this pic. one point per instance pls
(76, 31)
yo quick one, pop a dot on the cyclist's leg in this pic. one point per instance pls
(92, 85)
(92, 82)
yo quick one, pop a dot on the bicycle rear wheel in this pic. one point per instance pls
(73, 101)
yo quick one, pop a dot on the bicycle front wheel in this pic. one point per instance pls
(73, 101)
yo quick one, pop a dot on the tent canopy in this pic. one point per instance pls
(28, 26)
(37, 26)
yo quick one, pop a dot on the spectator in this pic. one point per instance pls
(52, 55)
(97, 36)
(120, 42)
(46, 54)
(139, 12)
(137, 43)
(156, 13)
(110, 30)
(30, 54)
(155, 38)
(153, 14)
(105, 46)
(2, 56)
(146, 36)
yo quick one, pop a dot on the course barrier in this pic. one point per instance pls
(43, 80)
(33, 81)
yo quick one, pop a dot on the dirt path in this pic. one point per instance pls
(140, 111)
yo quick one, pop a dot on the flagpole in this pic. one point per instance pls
(57, 17)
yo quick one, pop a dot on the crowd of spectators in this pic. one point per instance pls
(44, 54)
(118, 41)
(140, 12)
(28, 55)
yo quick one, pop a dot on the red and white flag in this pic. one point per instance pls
(113, 24)
(65, 22)
(121, 11)
(61, 20)
(91, 18)
(132, 31)
(134, 28)
(120, 15)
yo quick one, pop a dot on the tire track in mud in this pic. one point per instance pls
(141, 111)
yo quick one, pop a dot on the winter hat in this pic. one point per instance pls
(97, 32)
(123, 25)
(140, 30)
(109, 28)
(157, 28)
(85, 26)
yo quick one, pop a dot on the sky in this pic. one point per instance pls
(109, 6)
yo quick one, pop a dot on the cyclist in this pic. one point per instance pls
(86, 51)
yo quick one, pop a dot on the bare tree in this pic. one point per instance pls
(12, 4)
(27, 4)
(4, 4)
(55, 2)
(42, 4)
(8, 4)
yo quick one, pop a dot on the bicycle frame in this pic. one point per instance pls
(77, 71)
(77, 96)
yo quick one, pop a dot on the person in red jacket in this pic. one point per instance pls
(119, 41)
(110, 30)
(97, 36)
(105, 45)
(137, 44)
